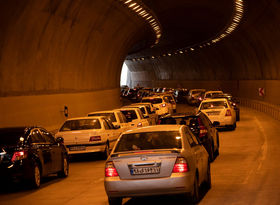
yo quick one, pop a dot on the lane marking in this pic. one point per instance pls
(263, 151)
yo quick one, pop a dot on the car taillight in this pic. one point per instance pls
(180, 166)
(163, 105)
(202, 131)
(139, 124)
(228, 113)
(95, 138)
(158, 122)
(19, 155)
(110, 170)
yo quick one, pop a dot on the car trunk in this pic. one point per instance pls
(79, 137)
(145, 164)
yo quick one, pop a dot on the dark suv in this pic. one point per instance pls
(29, 153)
(201, 127)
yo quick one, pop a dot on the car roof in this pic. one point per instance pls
(85, 118)
(214, 100)
(128, 108)
(104, 111)
(155, 128)
(214, 91)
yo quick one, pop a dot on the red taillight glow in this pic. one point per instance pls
(110, 170)
(139, 124)
(19, 155)
(159, 121)
(228, 113)
(95, 138)
(180, 166)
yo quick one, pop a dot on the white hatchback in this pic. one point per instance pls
(134, 116)
(219, 110)
(161, 103)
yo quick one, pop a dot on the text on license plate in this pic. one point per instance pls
(77, 148)
(144, 170)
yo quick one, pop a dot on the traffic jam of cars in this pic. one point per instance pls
(150, 149)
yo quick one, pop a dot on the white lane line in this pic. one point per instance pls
(263, 151)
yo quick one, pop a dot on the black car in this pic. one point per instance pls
(29, 153)
(233, 102)
(201, 127)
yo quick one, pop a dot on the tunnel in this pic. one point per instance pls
(59, 56)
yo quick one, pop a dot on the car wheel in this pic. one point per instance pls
(208, 177)
(234, 126)
(211, 152)
(238, 117)
(35, 181)
(106, 152)
(115, 201)
(64, 172)
(218, 146)
(195, 193)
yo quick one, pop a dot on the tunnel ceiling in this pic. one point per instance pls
(186, 23)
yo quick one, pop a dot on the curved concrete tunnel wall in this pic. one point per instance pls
(56, 53)
(247, 60)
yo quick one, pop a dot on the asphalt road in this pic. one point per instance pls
(245, 172)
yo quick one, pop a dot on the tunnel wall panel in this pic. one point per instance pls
(48, 110)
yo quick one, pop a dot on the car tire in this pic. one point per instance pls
(233, 126)
(217, 152)
(238, 117)
(208, 182)
(64, 172)
(211, 152)
(36, 176)
(115, 200)
(106, 152)
(195, 195)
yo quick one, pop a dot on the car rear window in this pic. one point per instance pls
(214, 105)
(149, 140)
(130, 115)
(83, 124)
(153, 100)
(10, 137)
(110, 116)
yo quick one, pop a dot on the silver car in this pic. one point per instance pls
(156, 160)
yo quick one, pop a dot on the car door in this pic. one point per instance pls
(212, 130)
(55, 149)
(199, 152)
(112, 134)
(42, 149)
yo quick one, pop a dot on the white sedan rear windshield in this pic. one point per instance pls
(149, 140)
(153, 100)
(83, 124)
(110, 116)
(214, 105)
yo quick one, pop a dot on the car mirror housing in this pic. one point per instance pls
(60, 140)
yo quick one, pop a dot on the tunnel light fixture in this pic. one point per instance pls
(150, 18)
(141, 10)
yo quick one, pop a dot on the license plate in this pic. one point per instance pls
(145, 170)
(77, 148)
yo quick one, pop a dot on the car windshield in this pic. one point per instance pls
(149, 140)
(130, 115)
(110, 116)
(10, 137)
(82, 124)
(214, 105)
(197, 92)
(153, 100)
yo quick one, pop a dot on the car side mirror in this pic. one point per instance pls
(216, 123)
(60, 140)
(117, 127)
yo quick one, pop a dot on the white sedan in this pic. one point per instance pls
(89, 134)
(219, 112)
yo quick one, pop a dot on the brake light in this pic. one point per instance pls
(180, 166)
(159, 121)
(19, 155)
(228, 113)
(110, 170)
(163, 105)
(139, 124)
(95, 138)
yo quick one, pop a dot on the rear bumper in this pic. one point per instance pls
(88, 149)
(176, 184)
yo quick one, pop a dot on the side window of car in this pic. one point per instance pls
(47, 136)
(36, 137)
(120, 117)
(191, 138)
(123, 118)
(106, 125)
(110, 124)
(140, 114)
